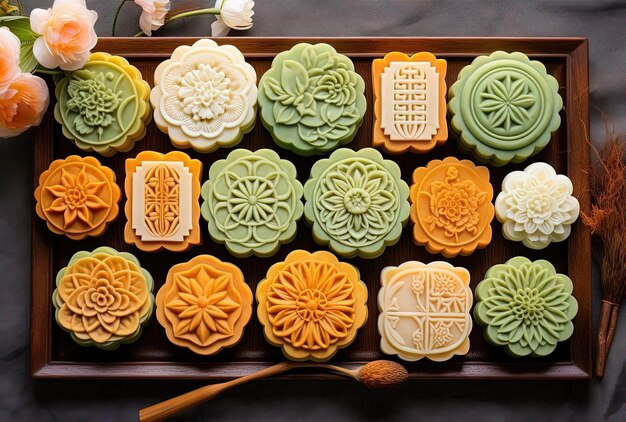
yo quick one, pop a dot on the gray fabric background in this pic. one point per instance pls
(603, 21)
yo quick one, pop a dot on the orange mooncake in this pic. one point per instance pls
(77, 197)
(311, 305)
(162, 205)
(204, 305)
(451, 207)
(409, 102)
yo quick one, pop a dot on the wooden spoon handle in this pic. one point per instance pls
(175, 405)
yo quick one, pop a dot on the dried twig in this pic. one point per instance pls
(607, 220)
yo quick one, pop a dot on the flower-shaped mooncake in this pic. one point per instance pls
(103, 298)
(104, 106)
(252, 202)
(311, 305)
(312, 101)
(356, 202)
(536, 206)
(162, 208)
(504, 108)
(77, 197)
(525, 306)
(451, 207)
(425, 311)
(409, 102)
(204, 305)
(204, 96)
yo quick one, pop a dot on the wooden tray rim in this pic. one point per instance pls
(573, 49)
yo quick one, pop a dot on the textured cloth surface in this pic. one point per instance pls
(21, 399)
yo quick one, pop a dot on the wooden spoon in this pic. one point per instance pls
(375, 374)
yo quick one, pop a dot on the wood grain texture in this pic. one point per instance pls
(55, 355)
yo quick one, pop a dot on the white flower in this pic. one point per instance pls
(536, 206)
(152, 15)
(235, 14)
(67, 34)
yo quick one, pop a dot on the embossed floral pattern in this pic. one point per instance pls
(337, 87)
(356, 202)
(441, 333)
(104, 106)
(311, 99)
(204, 93)
(93, 101)
(204, 304)
(311, 305)
(424, 311)
(252, 202)
(525, 306)
(205, 96)
(77, 197)
(504, 108)
(452, 208)
(506, 102)
(103, 298)
(454, 205)
(536, 206)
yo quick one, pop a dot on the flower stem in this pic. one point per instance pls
(44, 71)
(117, 13)
(210, 11)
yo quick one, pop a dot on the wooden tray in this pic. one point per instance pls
(55, 355)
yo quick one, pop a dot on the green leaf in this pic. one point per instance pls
(307, 134)
(331, 113)
(285, 115)
(294, 78)
(20, 26)
(81, 126)
(273, 89)
(28, 62)
(10, 18)
(309, 57)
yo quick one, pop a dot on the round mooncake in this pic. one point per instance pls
(77, 197)
(103, 298)
(311, 305)
(312, 100)
(356, 202)
(451, 207)
(104, 106)
(504, 108)
(205, 96)
(252, 202)
(526, 307)
(204, 305)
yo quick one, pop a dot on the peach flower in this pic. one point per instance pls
(10, 53)
(67, 34)
(152, 15)
(22, 104)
